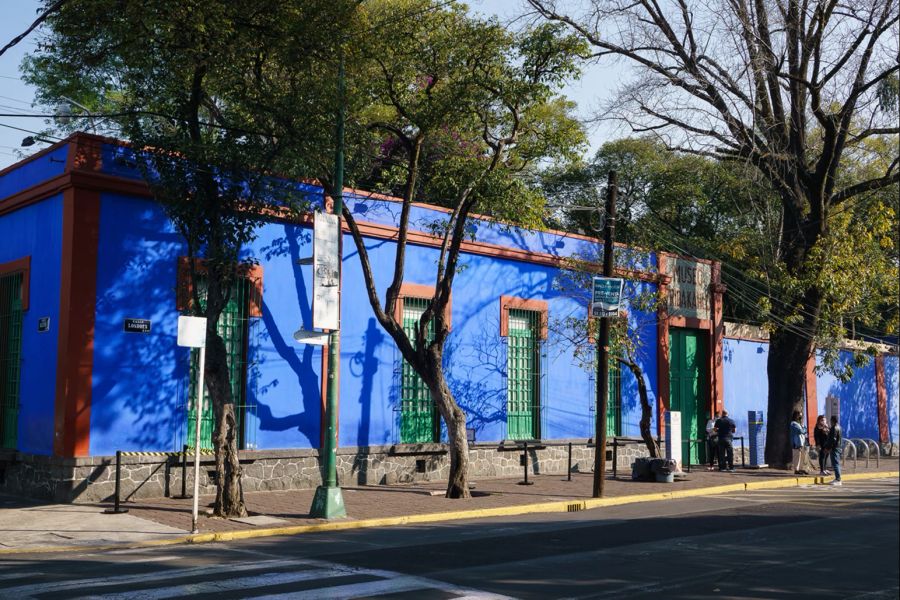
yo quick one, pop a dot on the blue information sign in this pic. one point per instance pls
(606, 298)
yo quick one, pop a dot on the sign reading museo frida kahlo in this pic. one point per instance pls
(688, 293)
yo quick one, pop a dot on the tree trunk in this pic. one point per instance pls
(786, 368)
(455, 418)
(646, 408)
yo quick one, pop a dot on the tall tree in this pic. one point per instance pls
(795, 89)
(458, 110)
(179, 81)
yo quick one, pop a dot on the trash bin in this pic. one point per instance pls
(664, 469)
(640, 470)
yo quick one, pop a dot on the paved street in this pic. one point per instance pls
(817, 541)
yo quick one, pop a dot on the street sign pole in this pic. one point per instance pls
(192, 334)
(609, 236)
(198, 410)
(328, 503)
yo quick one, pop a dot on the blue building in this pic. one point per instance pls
(92, 280)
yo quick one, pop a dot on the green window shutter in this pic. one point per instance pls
(614, 401)
(418, 418)
(10, 357)
(523, 375)
(232, 326)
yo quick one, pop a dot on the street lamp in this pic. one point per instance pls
(65, 112)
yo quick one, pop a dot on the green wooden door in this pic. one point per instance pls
(232, 327)
(688, 386)
(523, 376)
(418, 421)
(10, 357)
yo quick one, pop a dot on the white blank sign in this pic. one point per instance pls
(192, 332)
(326, 272)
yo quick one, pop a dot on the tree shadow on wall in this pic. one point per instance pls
(859, 403)
(306, 419)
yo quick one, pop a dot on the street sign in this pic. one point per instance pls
(606, 297)
(192, 331)
(43, 324)
(326, 272)
(315, 338)
(137, 325)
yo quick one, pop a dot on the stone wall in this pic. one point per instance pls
(92, 479)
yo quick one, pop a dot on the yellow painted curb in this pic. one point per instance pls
(481, 513)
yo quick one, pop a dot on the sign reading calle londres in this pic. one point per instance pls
(688, 294)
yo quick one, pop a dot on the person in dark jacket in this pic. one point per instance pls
(820, 435)
(725, 431)
(833, 444)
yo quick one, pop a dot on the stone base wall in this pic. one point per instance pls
(92, 479)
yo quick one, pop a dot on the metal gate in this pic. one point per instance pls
(10, 357)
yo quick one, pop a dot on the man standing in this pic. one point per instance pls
(799, 446)
(725, 431)
(833, 446)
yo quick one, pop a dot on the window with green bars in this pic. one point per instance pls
(419, 422)
(10, 357)
(232, 326)
(613, 402)
(523, 376)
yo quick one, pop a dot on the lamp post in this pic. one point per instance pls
(328, 503)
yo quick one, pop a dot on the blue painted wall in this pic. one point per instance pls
(859, 403)
(892, 383)
(32, 172)
(138, 378)
(36, 231)
(746, 383)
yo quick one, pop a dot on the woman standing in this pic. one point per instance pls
(820, 433)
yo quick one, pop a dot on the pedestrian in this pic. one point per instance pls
(833, 444)
(820, 433)
(712, 441)
(799, 445)
(725, 428)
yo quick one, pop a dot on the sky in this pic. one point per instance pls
(16, 97)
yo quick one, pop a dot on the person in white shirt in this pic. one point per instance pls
(712, 446)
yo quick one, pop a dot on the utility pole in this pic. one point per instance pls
(609, 237)
(328, 503)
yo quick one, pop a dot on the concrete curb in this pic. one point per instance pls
(574, 505)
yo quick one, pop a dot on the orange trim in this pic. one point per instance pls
(662, 347)
(84, 153)
(184, 288)
(717, 372)
(511, 302)
(881, 398)
(812, 398)
(690, 323)
(418, 290)
(23, 266)
(77, 311)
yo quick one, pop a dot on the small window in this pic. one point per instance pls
(418, 415)
(11, 309)
(523, 401)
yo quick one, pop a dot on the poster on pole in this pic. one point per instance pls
(606, 296)
(326, 272)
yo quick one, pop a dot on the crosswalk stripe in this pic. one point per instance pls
(25, 591)
(224, 585)
(394, 585)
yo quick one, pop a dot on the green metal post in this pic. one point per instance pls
(328, 502)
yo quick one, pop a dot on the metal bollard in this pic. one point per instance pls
(615, 456)
(743, 462)
(569, 472)
(525, 465)
(184, 452)
(116, 509)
